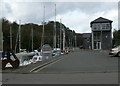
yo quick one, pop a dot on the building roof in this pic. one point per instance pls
(86, 35)
(101, 20)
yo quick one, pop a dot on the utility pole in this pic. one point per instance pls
(55, 29)
(19, 35)
(42, 40)
(10, 37)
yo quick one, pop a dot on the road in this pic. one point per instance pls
(79, 67)
(83, 61)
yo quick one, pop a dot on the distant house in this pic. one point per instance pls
(87, 40)
(101, 34)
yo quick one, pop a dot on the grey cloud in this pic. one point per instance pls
(87, 7)
(6, 9)
(32, 12)
(0, 10)
(35, 9)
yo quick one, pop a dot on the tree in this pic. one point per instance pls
(26, 38)
(116, 37)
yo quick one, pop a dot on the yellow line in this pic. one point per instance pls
(48, 65)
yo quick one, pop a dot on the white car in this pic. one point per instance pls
(115, 51)
(36, 59)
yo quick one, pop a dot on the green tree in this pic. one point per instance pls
(116, 37)
(26, 38)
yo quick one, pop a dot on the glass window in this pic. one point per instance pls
(95, 27)
(101, 26)
(96, 36)
(105, 26)
(108, 26)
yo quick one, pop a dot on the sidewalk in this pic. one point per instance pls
(30, 67)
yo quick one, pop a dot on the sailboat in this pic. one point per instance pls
(6, 55)
(22, 54)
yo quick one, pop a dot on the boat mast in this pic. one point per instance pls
(19, 35)
(10, 37)
(1, 37)
(42, 40)
(75, 42)
(32, 37)
(16, 41)
(55, 29)
(63, 38)
(60, 32)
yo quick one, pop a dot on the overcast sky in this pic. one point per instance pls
(75, 15)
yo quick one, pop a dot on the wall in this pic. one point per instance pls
(106, 40)
(86, 43)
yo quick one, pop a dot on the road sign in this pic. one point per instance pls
(46, 52)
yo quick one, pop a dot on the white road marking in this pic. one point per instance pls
(48, 65)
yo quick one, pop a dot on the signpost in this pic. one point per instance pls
(46, 52)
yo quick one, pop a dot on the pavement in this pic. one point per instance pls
(31, 67)
(79, 67)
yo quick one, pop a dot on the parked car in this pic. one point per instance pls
(36, 59)
(56, 52)
(115, 51)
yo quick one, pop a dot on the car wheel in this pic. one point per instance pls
(119, 54)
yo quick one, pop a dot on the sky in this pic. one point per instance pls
(75, 14)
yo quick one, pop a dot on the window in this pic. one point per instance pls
(97, 26)
(101, 26)
(106, 26)
(94, 27)
(96, 36)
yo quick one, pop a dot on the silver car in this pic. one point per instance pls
(115, 51)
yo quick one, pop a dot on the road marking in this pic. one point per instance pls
(48, 65)
(40, 66)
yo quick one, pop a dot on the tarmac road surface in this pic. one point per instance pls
(79, 67)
